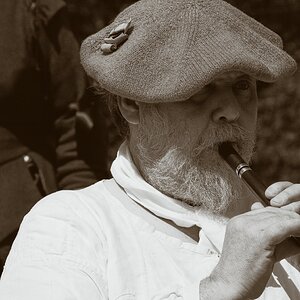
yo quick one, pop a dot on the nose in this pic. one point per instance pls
(227, 110)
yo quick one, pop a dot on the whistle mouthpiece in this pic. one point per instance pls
(234, 160)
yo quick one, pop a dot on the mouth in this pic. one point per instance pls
(213, 149)
(234, 143)
(215, 146)
(224, 148)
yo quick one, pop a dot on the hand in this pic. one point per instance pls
(254, 241)
(286, 195)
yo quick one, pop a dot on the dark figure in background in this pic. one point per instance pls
(41, 81)
(95, 132)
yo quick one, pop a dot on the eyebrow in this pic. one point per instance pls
(242, 76)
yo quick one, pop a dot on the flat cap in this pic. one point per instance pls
(167, 50)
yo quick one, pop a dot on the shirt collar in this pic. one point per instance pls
(129, 178)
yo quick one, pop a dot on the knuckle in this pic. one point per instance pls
(285, 196)
(290, 215)
(271, 210)
(294, 189)
(236, 222)
(287, 193)
(295, 207)
(297, 188)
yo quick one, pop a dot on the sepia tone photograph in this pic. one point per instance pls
(149, 149)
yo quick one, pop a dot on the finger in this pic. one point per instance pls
(276, 188)
(285, 228)
(256, 206)
(287, 196)
(270, 211)
(294, 206)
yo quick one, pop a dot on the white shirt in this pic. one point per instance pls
(98, 243)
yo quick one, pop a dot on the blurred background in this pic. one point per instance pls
(278, 147)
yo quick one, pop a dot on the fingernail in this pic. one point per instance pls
(270, 193)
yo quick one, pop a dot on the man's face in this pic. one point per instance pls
(177, 142)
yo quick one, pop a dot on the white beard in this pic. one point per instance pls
(209, 183)
(193, 171)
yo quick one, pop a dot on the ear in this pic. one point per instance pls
(130, 110)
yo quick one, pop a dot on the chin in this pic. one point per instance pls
(212, 185)
(204, 181)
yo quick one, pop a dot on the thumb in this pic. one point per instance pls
(256, 205)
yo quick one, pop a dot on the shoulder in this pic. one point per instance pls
(72, 205)
(58, 242)
(64, 225)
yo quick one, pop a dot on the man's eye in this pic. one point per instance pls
(242, 85)
(203, 94)
(206, 89)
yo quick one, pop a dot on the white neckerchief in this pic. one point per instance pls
(128, 177)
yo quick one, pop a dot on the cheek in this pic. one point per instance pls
(195, 128)
(185, 133)
(249, 115)
(198, 125)
(187, 120)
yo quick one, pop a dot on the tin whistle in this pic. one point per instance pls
(243, 171)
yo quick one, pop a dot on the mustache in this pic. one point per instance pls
(242, 138)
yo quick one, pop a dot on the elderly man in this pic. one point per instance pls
(174, 222)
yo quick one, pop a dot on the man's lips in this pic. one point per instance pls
(214, 147)
(235, 143)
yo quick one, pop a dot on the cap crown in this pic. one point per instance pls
(175, 47)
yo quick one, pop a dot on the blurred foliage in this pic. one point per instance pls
(278, 145)
(89, 16)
